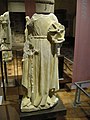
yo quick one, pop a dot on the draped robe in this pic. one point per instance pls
(40, 61)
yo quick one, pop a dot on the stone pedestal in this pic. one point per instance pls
(51, 113)
(44, 6)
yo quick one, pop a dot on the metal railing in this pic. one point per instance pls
(80, 89)
(68, 66)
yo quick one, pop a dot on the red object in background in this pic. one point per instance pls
(30, 7)
(81, 67)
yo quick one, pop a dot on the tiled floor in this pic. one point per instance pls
(81, 112)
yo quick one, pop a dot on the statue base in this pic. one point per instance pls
(58, 109)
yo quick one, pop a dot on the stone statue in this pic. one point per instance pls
(43, 34)
(5, 37)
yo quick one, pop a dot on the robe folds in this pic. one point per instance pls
(40, 61)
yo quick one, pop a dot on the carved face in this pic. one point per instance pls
(1, 33)
(3, 29)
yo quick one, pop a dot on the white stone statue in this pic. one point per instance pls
(5, 37)
(40, 61)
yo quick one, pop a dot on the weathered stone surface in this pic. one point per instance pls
(5, 37)
(40, 62)
(44, 6)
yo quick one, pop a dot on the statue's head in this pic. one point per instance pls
(45, 6)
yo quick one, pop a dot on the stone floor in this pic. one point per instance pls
(10, 110)
(81, 112)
